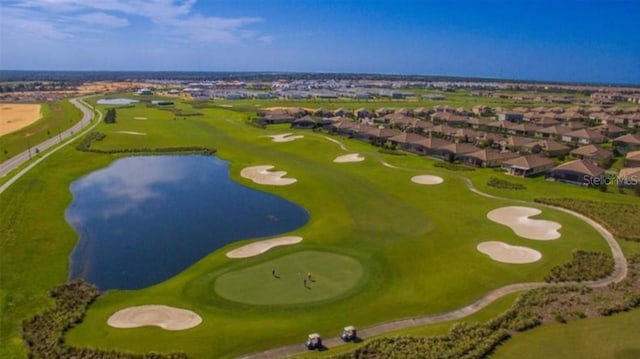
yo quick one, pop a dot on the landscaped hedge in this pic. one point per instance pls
(585, 266)
(622, 219)
(43, 334)
(85, 145)
(504, 184)
(453, 166)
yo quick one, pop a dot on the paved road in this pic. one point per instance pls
(17, 160)
(620, 272)
(71, 134)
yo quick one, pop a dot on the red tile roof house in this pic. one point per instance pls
(430, 145)
(362, 113)
(528, 165)
(399, 121)
(549, 148)
(629, 177)
(407, 142)
(583, 136)
(306, 122)
(515, 143)
(632, 159)
(610, 131)
(521, 129)
(554, 132)
(453, 151)
(592, 153)
(579, 172)
(420, 126)
(377, 136)
(486, 158)
(627, 143)
(344, 127)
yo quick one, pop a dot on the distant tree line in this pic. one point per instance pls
(110, 117)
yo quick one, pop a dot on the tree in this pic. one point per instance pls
(536, 149)
(110, 117)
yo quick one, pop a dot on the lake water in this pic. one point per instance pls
(116, 101)
(143, 220)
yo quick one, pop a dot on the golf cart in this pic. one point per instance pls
(349, 333)
(314, 341)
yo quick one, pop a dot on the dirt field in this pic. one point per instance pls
(16, 116)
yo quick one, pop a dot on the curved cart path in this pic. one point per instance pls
(620, 272)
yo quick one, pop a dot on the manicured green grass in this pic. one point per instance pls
(331, 276)
(605, 337)
(416, 244)
(56, 117)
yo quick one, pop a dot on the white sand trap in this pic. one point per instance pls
(226, 106)
(262, 175)
(285, 137)
(165, 317)
(132, 133)
(139, 118)
(506, 253)
(353, 157)
(518, 219)
(427, 179)
(259, 247)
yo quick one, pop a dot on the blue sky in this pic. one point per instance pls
(559, 40)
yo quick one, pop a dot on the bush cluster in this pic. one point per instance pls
(464, 340)
(85, 145)
(584, 266)
(44, 333)
(619, 218)
(453, 166)
(504, 184)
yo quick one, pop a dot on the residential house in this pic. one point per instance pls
(610, 130)
(510, 116)
(430, 145)
(629, 177)
(453, 151)
(408, 141)
(583, 136)
(520, 129)
(515, 143)
(527, 165)
(627, 143)
(580, 172)
(553, 132)
(632, 159)
(593, 153)
(550, 148)
(362, 113)
(486, 158)
(305, 122)
(478, 123)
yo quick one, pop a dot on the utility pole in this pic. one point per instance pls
(29, 148)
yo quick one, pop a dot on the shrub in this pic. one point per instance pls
(619, 218)
(504, 184)
(584, 266)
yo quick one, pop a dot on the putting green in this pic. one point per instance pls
(331, 275)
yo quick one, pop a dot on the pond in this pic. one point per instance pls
(143, 220)
(116, 101)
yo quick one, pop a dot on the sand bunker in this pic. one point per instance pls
(354, 157)
(427, 179)
(259, 247)
(168, 318)
(518, 219)
(14, 116)
(506, 253)
(262, 175)
(285, 137)
(139, 118)
(132, 133)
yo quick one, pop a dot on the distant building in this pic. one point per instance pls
(145, 92)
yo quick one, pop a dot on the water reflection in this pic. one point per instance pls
(145, 219)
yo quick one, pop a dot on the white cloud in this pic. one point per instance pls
(174, 18)
(101, 18)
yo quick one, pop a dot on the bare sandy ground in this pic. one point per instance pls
(506, 253)
(139, 118)
(165, 317)
(285, 137)
(259, 247)
(427, 179)
(518, 219)
(262, 175)
(14, 116)
(131, 133)
(353, 157)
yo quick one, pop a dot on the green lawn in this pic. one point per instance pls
(331, 275)
(56, 117)
(414, 244)
(606, 337)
